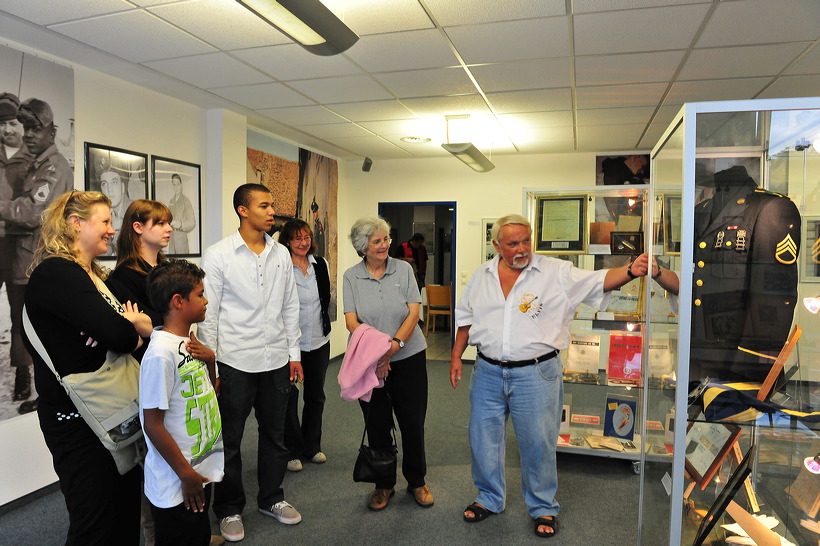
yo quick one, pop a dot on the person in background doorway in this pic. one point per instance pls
(415, 253)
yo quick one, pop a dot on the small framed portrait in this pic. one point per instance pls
(671, 213)
(561, 225)
(178, 185)
(626, 243)
(487, 248)
(707, 444)
(122, 175)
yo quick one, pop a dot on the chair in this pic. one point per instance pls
(439, 302)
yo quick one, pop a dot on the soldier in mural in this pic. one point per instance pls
(48, 176)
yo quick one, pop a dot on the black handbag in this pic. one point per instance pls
(375, 465)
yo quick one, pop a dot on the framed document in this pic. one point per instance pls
(671, 213)
(626, 302)
(707, 444)
(561, 225)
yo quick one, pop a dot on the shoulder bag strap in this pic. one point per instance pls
(34, 339)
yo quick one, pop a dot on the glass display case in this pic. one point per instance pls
(735, 209)
(619, 353)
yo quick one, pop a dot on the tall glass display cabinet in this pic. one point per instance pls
(731, 423)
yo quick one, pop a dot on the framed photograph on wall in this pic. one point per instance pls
(178, 185)
(811, 249)
(120, 174)
(487, 248)
(561, 225)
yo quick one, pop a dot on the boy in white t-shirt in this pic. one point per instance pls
(179, 410)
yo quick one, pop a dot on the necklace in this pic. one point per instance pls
(166, 329)
(303, 268)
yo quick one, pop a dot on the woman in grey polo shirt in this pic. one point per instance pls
(381, 292)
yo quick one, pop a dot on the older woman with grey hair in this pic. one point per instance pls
(381, 292)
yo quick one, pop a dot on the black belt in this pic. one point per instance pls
(519, 363)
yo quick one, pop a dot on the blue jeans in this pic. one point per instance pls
(533, 396)
(267, 394)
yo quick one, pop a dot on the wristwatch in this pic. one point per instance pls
(400, 342)
(630, 273)
(658, 276)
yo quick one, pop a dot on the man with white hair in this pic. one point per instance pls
(517, 310)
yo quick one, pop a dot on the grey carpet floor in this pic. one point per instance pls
(598, 496)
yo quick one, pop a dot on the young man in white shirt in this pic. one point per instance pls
(253, 325)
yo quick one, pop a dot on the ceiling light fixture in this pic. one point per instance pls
(467, 152)
(415, 139)
(307, 22)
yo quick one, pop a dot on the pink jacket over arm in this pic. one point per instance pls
(357, 376)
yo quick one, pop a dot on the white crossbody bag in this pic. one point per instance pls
(107, 400)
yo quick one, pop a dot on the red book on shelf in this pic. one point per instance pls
(624, 365)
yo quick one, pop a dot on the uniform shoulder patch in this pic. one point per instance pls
(41, 194)
(786, 251)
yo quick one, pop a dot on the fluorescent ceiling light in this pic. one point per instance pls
(470, 155)
(307, 22)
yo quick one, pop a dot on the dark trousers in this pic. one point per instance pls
(306, 439)
(16, 295)
(407, 385)
(267, 393)
(103, 507)
(178, 526)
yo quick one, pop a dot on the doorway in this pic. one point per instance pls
(437, 222)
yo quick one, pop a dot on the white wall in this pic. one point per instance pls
(112, 112)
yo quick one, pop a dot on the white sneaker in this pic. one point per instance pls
(232, 528)
(319, 458)
(284, 512)
(294, 465)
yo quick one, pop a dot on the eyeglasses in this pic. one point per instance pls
(379, 242)
(305, 239)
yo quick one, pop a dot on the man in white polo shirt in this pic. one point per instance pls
(253, 326)
(517, 310)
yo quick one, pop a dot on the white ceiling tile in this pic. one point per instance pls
(124, 34)
(46, 12)
(527, 134)
(425, 83)
(149, 3)
(590, 6)
(536, 119)
(447, 106)
(809, 64)
(261, 96)
(372, 111)
(402, 51)
(341, 89)
(615, 116)
(547, 146)
(216, 21)
(429, 127)
(793, 86)
(618, 96)
(609, 137)
(293, 62)
(651, 29)
(389, 16)
(739, 62)
(537, 100)
(512, 40)
(652, 135)
(210, 71)
(373, 147)
(335, 130)
(755, 21)
(697, 91)
(467, 12)
(627, 68)
(302, 115)
(538, 74)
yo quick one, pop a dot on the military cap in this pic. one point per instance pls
(9, 104)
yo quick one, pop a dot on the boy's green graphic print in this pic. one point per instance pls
(202, 418)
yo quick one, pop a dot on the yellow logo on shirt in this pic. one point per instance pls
(528, 304)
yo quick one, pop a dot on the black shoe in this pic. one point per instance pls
(28, 406)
